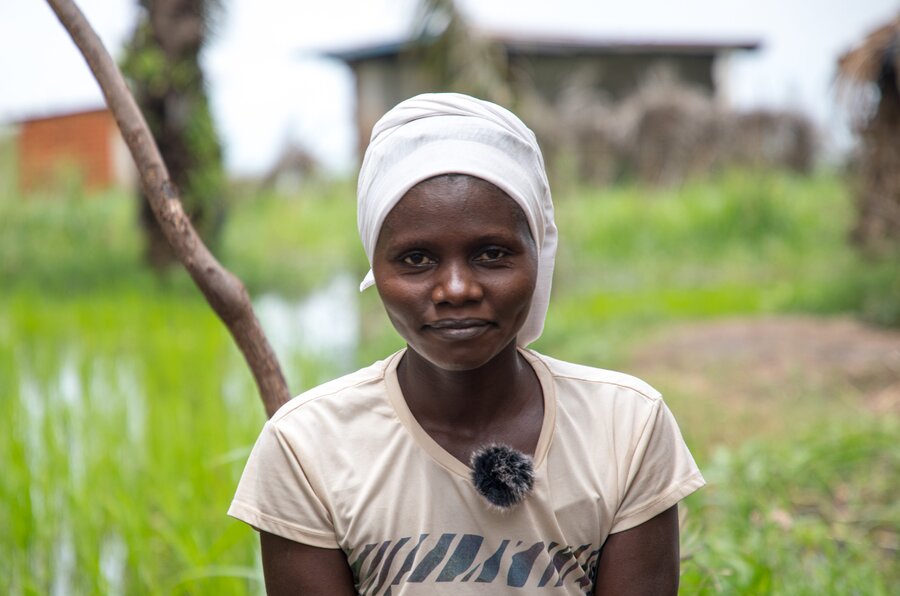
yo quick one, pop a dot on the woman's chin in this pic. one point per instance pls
(460, 356)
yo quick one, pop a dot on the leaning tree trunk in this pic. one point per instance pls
(224, 292)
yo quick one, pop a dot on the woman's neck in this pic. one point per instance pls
(472, 399)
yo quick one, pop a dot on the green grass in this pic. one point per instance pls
(816, 516)
(129, 413)
(292, 245)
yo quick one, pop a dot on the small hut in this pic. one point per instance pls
(85, 144)
(869, 77)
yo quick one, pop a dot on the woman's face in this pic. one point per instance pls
(455, 266)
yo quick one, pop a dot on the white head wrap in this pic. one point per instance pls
(449, 133)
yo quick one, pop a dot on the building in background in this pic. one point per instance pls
(84, 146)
(387, 73)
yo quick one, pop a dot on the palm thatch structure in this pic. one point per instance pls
(869, 81)
(455, 54)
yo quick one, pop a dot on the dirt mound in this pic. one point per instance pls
(753, 358)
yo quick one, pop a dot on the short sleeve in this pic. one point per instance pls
(661, 473)
(275, 494)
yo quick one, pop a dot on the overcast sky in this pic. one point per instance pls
(268, 87)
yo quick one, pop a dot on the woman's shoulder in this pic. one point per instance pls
(590, 375)
(607, 402)
(350, 390)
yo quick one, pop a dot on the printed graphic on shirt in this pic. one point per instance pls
(379, 567)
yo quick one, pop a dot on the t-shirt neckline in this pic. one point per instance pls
(444, 457)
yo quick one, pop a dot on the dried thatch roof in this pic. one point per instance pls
(875, 60)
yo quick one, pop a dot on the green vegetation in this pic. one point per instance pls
(815, 516)
(129, 412)
(744, 243)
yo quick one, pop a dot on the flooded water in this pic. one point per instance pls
(324, 325)
(63, 563)
(113, 555)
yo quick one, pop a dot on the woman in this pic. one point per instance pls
(466, 463)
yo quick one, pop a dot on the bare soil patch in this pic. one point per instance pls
(753, 359)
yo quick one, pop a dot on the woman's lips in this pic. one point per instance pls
(457, 329)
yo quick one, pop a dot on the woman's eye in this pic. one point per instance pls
(491, 254)
(417, 259)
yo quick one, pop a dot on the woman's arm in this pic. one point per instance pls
(292, 568)
(641, 561)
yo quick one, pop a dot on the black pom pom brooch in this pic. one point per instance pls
(502, 475)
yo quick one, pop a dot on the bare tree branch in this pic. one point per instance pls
(224, 292)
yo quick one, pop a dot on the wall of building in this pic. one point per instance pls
(614, 75)
(380, 85)
(86, 146)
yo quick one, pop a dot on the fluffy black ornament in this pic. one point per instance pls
(502, 475)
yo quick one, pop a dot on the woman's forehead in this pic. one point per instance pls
(460, 197)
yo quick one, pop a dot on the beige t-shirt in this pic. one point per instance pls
(346, 465)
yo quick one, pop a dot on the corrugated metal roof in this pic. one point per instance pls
(559, 45)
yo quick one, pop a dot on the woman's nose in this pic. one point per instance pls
(456, 284)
